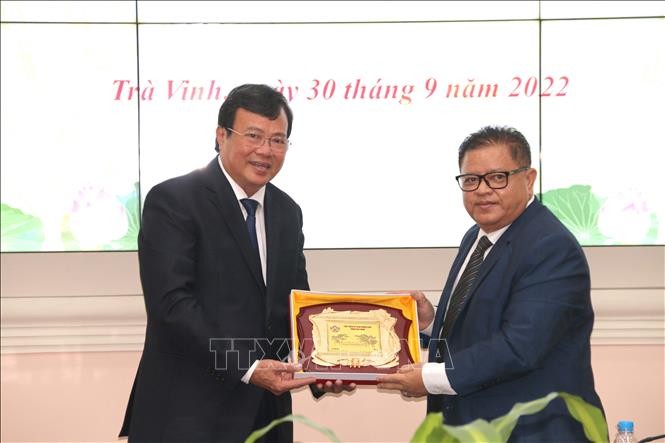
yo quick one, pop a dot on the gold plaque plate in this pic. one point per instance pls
(342, 336)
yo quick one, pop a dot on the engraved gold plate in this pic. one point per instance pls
(353, 336)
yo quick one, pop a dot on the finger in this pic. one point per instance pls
(325, 386)
(333, 387)
(288, 385)
(389, 378)
(340, 386)
(391, 386)
(349, 388)
(289, 367)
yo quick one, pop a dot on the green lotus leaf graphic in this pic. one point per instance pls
(21, 232)
(577, 208)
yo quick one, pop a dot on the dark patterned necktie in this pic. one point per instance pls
(461, 292)
(251, 205)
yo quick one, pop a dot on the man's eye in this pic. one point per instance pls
(497, 178)
(253, 136)
(470, 180)
(277, 141)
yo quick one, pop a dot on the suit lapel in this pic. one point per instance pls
(273, 222)
(225, 200)
(454, 270)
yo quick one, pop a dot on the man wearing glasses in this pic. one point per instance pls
(515, 317)
(219, 251)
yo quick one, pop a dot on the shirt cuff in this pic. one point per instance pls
(428, 329)
(435, 379)
(245, 378)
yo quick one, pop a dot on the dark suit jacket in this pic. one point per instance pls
(524, 331)
(203, 291)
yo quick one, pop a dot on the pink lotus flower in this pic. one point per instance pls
(97, 217)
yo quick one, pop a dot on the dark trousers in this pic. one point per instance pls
(282, 433)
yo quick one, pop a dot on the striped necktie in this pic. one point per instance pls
(462, 290)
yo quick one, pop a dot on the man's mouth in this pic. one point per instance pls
(260, 165)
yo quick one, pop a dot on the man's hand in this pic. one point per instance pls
(424, 307)
(336, 387)
(277, 377)
(408, 380)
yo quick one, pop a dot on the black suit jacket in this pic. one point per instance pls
(523, 332)
(209, 313)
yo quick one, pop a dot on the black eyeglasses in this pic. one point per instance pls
(256, 140)
(495, 180)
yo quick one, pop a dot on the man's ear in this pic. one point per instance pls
(221, 135)
(531, 175)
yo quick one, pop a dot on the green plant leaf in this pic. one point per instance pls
(477, 431)
(293, 418)
(577, 208)
(504, 425)
(431, 430)
(591, 417)
(20, 232)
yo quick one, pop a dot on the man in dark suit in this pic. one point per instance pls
(216, 288)
(515, 318)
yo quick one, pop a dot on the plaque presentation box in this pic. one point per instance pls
(354, 337)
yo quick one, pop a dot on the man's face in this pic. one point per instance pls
(252, 167)
(492, 209)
